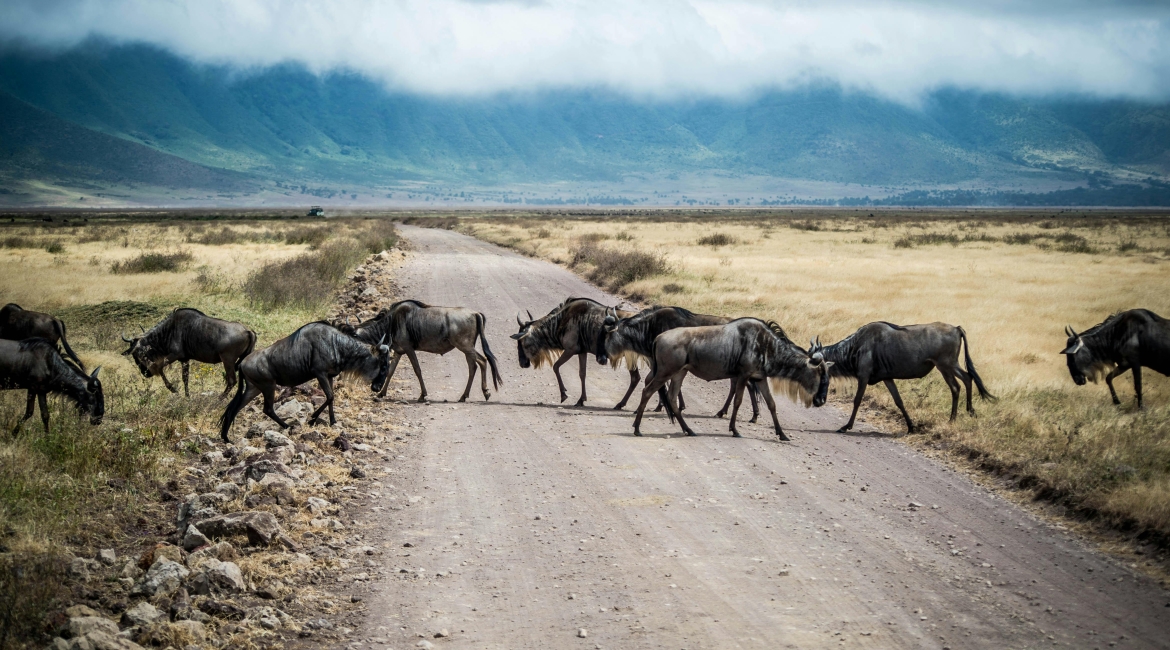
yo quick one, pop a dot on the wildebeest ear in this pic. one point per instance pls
(1074, 348)
(829, 364)
(516, 336)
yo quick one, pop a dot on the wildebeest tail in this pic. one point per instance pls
(60, 327)
(971, 367)
(480, 325)
(251, 346)
(233, 408)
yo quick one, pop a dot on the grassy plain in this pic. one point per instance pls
(1012, 280)
(74, 486)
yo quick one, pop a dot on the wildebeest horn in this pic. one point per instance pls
(124, 339)
(94, 374)
(1070, 331)
(347, 320)
(143, 330)
(530, 318)
(519, 321)
(383, 340)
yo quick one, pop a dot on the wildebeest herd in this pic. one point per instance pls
(754, 355)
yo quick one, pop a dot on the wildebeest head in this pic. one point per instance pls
(382, 352)
(145, 357)
(1083, 365)
(95, 406)
(816, 362)
(526, 346)
(611, 338)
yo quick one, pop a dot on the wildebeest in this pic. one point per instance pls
(412, 326)
(17, 324)
(315, 351)
(630, 339)
(1127, 340)
(571, 328)
(35, 365)
(190, 335)
(884, 352)
(746, 350)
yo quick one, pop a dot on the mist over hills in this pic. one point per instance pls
(137, 116)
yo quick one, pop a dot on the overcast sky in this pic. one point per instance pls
(657, 48)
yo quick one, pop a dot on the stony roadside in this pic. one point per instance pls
(265, 546)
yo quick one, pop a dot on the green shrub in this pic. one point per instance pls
(154, 262)
(55, 247)
(614, 268)
(717, 239)
(314, 236)
(304, 281)
(380, 235)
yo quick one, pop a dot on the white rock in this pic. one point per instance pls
(211, 457)
(272, 478)
(163, 578)
(276, 439)
(107, 556)
(82, 625)
(142, 614)
(317, 505)
(582, 633)
(371, 292)
(225, 575)
(289, 409)
(229, 490)
(193, 539)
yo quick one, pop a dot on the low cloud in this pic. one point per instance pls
(663, 48)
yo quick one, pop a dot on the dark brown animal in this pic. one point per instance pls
(190, 335)
(1129, 340)
(884, 352)
(35, 365)
(17, 324)
(746, 350)
(570, 329)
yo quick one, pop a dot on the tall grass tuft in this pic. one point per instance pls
(314, 236)
(379, 235)
(154, 262)
(717, 239)
(614, 267)
(305, 281)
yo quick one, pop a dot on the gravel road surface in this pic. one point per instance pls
(534, 524)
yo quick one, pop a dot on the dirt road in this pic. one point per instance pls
(530, 521)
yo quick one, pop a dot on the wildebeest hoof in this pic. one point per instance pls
(689, 432)
(619, 406)
(720, 414)
(735, 434)
(637, 433)
(753, 420)
(580, 402)
(844, 429)
(422, 399)
(463, 399)
(782, 436)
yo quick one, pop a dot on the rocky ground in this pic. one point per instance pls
(267, 545)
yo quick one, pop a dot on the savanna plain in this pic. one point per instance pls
(1011, 279)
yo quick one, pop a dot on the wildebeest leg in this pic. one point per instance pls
(390, 374)
(186, 377)
(727, 403)
(752, 390)
(861, 384)
(417, 373)
(1109, 381)
(675, 394)
(481, 361)
(471, 367)
(565, 356)
(229, 375)
(1137, 386)
(898, 401)
(43, 403)
(952, 384)
(966, 379)
(762, 387)
(635, 377)
(327, 388)
(269, 400)
(740, 383)
(28, 412)
(162, 372)
(583, 362)
(652, 386)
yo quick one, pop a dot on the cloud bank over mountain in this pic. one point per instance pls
(659, 49)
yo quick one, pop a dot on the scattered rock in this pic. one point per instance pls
(163, 578)
(211, 457)
(319, 624)
(582, 633)
(107, 556)
(342, 443)
(317, 505)
(259, 526)
(442, 634)
(225, 575)
(371, 292)
(141, 615)
(131, 570)
(229, 490)
(194, 539)
(222, 610)
(290, 409)
(276, 439)
(357, 472)
(424, 644)
(97, 640)
(78, 611)
(79, 568)
(79, 626)
(193, 628)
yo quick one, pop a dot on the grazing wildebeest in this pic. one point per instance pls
(1127, 340)
(190, 335)
(569, 329)
(884, 352)
(412, 326)
(17, 324)
(630, 339)
(746, 350)
(315, 351)
(35, 365)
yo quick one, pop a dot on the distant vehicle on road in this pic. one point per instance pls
(316, 211)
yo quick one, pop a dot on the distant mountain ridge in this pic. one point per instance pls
(286, 125)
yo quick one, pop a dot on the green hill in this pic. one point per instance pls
(285, 124)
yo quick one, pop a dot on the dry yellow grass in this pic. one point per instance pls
(827, 275)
